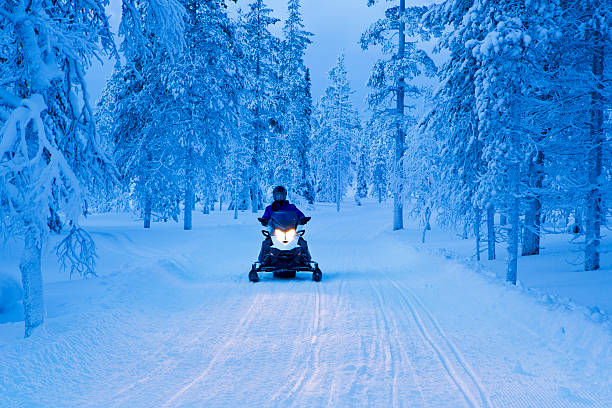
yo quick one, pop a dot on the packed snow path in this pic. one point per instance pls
(172, 321)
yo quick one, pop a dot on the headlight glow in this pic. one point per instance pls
(284, 236)
(290, 235)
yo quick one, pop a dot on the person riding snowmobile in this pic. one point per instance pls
(281, 204)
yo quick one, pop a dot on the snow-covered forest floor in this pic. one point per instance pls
(173, 321)
(556, 275)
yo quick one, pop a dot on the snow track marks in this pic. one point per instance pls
(457, 369)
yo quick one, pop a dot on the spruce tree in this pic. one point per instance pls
(336, 132)
(260, 60)
(295, 102)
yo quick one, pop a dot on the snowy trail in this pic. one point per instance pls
(175, 323)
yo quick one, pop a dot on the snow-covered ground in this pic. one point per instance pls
(172, 321)
(557, 273)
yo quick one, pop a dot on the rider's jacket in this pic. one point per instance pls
(284, 206)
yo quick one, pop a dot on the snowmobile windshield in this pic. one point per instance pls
(284, 220)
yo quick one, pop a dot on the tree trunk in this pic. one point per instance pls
(466, 228)
(427, 226)
(206, 207)
(531, 233)
(398, 210)
(236, 200)
(147, 211)
(513, 231)
(338, 189)
(594, 210)
(187, 225)
(189, 193)
(255, 197)
(31, 278)
(148, 195)
(491, 232)
(477, 222)
(578, 226)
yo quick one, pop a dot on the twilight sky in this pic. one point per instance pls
(336, 24)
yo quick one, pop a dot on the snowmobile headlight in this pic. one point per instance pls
(290, 235)
(280, 235)
(284, 236)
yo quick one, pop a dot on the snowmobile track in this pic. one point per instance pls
(287, 395)
(388, 340)
(222, 350)
(453, 362)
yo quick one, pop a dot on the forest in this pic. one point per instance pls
(455, 206)
(505, 141)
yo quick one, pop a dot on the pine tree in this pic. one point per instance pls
(260, 48)
(361, 190)
(153, 35)
(504, 84)
(454, 120)
(496, 114)
(390, 80)
(335, 134)
(296, 103)
(381, 137)
(204, 99)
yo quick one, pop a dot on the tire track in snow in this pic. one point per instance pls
(391, 364)
(243, 324)
(337, 383)
(394, 362)
(159, 354)
(310, 365)
(467, 383)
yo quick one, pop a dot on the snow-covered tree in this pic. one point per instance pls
(391, 80)
(335, 135)
(362, 158)
(514, 113)
(505, 81)
(50, 154)
(203, 102)
(453, 119)
(584, 47)
(381, 138)
(153, 35)
(261, 50)
(295, 105)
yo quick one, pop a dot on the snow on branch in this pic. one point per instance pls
(78, 251)
(24, 146)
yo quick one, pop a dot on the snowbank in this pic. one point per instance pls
(10, 299)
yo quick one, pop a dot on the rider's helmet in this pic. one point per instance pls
(279, 193)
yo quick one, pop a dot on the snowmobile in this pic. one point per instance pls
(286, 257)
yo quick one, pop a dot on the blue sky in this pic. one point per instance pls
(337, 25)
